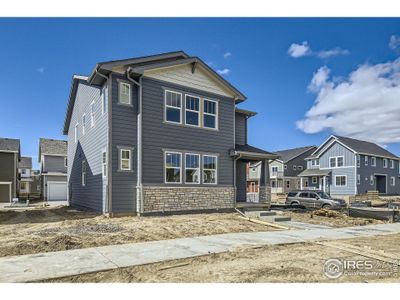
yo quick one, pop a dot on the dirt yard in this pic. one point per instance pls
(285, 263)
(55, 229)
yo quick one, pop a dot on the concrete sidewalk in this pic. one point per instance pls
(27, 268)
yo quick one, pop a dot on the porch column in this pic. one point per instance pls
(324, 183)
(265, 188)
(301, 183)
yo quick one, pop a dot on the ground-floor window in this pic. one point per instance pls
(392, 181)
(287, 183)
(371, 180)
(192, 168)
(314, 180)
(22, 185)
(340, 180)
(209, 169)
(173, 167)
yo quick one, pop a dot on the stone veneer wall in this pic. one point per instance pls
(164, 199)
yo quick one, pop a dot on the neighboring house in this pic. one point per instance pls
(285, 169)
(253, 176)
(10, 155)
(25, 176)
(346, 166)
(35, 187)
(53, 169)
(155, 134)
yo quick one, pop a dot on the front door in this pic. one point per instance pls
(381, 184)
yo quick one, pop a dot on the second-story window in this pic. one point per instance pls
(373, 161)
(358, 160)
(173, 107)
(340, 162)
(83, 124)
(332, 162)
(274, 169)
(366, 160)
(391, 163)
(210, 114)
(385, 163)
(125, 160)
(124, 93)
(192, 110)
(92, 114)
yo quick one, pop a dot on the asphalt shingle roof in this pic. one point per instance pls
(26, 162)
(49, 146)
(365, 147)
(248, 148)
(289, 154)
(7, 144)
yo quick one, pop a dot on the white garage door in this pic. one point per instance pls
(57, 191)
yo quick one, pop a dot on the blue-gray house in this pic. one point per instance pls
(160, 133)
(345, 166)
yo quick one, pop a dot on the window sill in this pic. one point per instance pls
(190, 126)
(125, 104)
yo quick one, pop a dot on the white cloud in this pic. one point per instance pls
(363, 105)
(303, 49)
(332, 52)
(394, 42)
(223, 71)
(227, 54)
(40, 70)
(299, 50)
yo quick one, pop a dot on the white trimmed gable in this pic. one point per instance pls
(182, 75)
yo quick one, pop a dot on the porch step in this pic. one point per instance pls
(267, 213)
(273, 219)
(259, 213)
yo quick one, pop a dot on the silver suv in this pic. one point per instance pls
(314, 199)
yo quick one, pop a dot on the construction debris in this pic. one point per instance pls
(327, 213)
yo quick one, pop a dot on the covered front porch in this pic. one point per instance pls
(315, 179)
(242, 155)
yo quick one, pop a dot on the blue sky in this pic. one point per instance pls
(39, 56)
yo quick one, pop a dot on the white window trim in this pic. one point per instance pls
(392, 180)
(373, 161)
(165, 107)
(104, 164)
(92, 115)
(371, 180)
(216, 170)
(216, 114)
(330, 163)
(165, 167)
(198, 112)
(345, 176)
(83, 124)
(294, 167)
(199, 168)
(391, 164)
(121, 83)
(76, 131)
(336, 162)
(385, 165)
(83, 175)
(121, 159)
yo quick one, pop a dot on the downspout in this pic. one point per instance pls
(234, 175)
(139, 186)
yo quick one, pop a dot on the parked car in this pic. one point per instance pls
(314, 199)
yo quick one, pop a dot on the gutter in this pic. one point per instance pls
(139, 184)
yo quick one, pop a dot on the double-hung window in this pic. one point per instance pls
(392, 181)
(340, 180)
(209, 169)
(104, 163)
(340, 161)
(125, 160)
(391, 163)
(210, 114)
(173, 107)
(83, 124)
(192, 168)
(366, 160)
(173, 167)
(92, 114)
(84, 172)
(332, 162)
(192, 110)
(124, 93)
(373, 161)
(385, 163)
(314, 180)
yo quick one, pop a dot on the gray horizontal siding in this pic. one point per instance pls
(54, 164)
(8, 170)
(349, 189)
(124, 134)
(158, 135)
(89, 148)
(240, 129)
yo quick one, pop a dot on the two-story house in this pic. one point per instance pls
(25, 176)
(160, 133)
(10, 155)
(284, 171)
(53, 169)
(344, 166)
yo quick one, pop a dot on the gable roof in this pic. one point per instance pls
(26, 162)
(137, 66)
(289, 154)
(9, 145)
(52, 147)
(354, 145)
